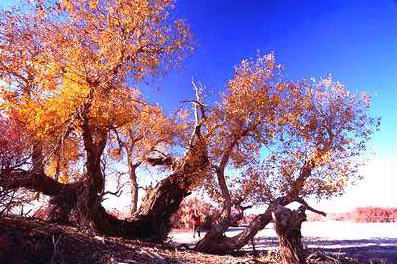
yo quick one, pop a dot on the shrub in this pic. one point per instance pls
(182, 218)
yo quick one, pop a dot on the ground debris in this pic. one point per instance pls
(32, 241)
(319, 257)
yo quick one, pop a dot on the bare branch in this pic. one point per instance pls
(198, 105)
(308, 207)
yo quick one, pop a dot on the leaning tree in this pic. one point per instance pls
(69, 76)
(273, 142)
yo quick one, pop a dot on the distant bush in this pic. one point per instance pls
(361, 215)
(375, 214)
(182, 218)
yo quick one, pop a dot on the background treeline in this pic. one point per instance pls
(361, 215)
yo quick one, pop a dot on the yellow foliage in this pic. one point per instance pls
(67, 70)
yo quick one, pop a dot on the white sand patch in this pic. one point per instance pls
(331, 230)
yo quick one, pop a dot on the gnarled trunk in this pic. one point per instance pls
(62, 204)
(151, 221)
(288, 225)
(216, 242)
(224, 245)
(63, 196)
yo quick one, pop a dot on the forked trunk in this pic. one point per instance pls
(151, 221)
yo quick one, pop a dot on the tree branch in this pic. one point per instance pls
(308, 207)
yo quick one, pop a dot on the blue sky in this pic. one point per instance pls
(356, 41)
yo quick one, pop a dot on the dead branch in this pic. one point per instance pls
(308, 207)
(198, 106)
(119, 188)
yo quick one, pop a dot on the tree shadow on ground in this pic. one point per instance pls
(381, 250)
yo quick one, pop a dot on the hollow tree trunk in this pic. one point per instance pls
(288, 225)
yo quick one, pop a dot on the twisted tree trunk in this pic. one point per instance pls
(63, 197)
(151, 221)
(288, 225)
(221, 244)
(215, 242)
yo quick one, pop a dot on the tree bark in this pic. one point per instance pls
(94, 144)
(134, 192)
(226, 245)
(288, 225)
(151, 221)
(38, 159)
(132, 167)
(216, 233)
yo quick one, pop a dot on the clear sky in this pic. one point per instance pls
(356, 41)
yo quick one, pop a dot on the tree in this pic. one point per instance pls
(69, 73)
(289, 140)
(250, 112)
(183, 217)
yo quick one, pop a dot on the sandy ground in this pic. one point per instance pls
(369, 241)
